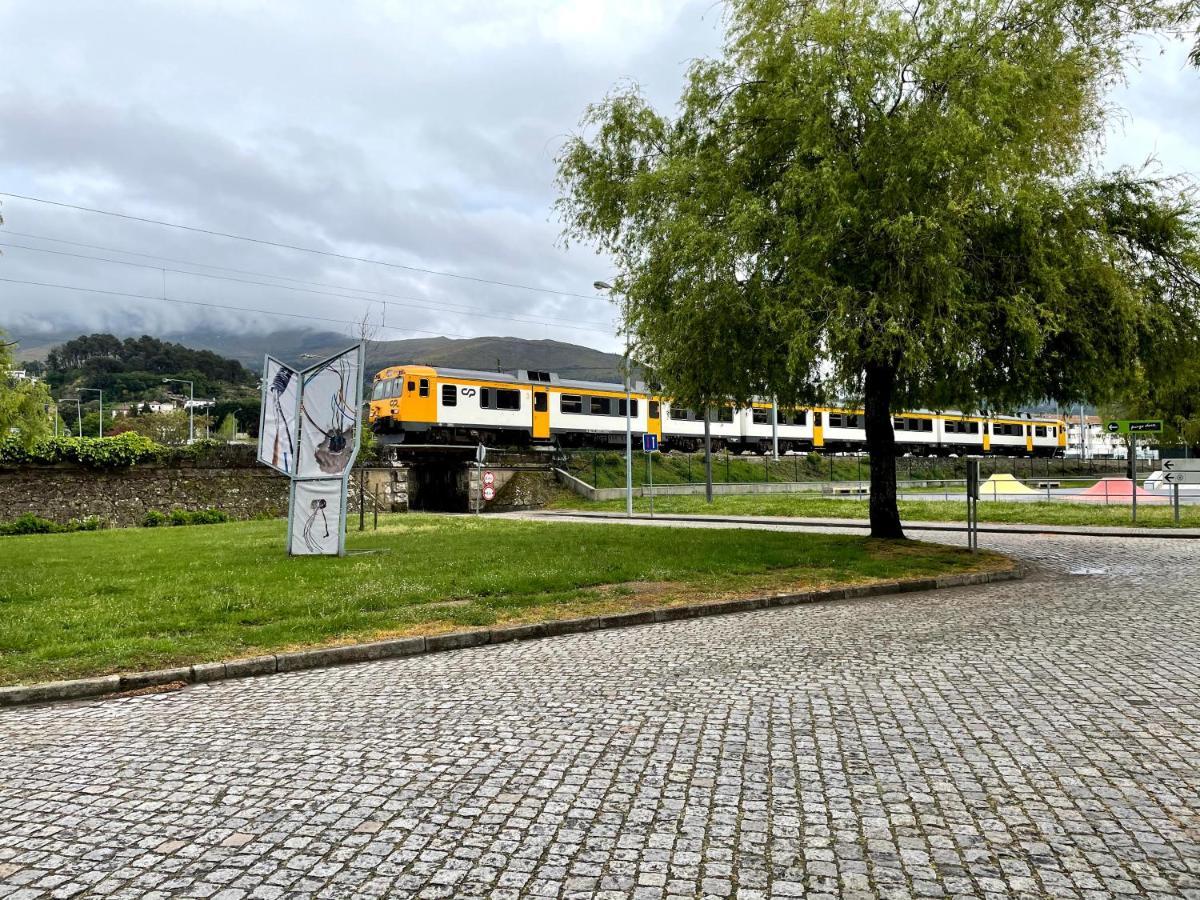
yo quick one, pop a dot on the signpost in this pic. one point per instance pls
(973, 504)
(649, 447)
(1177, 472)
(1133, 427)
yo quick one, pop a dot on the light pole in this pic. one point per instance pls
(78, 413)
(101, 393)
(191, 406)
(605, 286)
(233, 437)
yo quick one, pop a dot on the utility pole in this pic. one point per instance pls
(101, 393)
(605, 286)
(191, 406)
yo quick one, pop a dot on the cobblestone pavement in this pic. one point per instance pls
(1036, 738)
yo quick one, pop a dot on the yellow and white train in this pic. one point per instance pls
(422, 404)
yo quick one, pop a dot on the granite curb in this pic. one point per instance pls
(322, 657)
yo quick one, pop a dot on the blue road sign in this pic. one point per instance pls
(649, 442)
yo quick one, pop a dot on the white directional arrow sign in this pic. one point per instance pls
(1181, 471)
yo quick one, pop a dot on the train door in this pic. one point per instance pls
(541, 415)
(1028, 438)
(818, 428)
(654, 419)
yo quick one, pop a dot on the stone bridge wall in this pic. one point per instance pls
(124, 496)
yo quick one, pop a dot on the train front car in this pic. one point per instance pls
(403, 401)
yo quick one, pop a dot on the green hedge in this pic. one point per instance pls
(102, 453)
(28, 523)
(124, 450)
(156, 519)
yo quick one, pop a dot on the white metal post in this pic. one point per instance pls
(775, 428)
(628, 438)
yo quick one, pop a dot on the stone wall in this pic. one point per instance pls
(124, 496)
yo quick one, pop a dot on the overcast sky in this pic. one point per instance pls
(416, 132)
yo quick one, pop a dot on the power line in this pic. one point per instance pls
(413, 302)
(248, 309)
(283, 246)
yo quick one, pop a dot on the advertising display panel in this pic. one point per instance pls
(308, 430)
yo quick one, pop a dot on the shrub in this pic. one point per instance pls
(156, 519)
(28, 523)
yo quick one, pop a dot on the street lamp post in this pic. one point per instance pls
(101, 393)
(605, 286)
(191, 406)
(78, 413)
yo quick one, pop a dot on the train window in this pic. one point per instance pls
(834, 419)
(679, 413)
(506, 399)
(600, 406)
(926, 424)
(412, 386)
(485, 398)
(539, 401)
(633, 409)
(424, 392)
(571, 403)
(800, 417)
(900, 424)
(379, 391)
(1039, 431)
(760, 416)
(724, 413)
(449, 395)
(655, 411)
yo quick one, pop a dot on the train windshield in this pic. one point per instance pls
(384, 387)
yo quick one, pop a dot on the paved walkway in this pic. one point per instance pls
(1037, 738)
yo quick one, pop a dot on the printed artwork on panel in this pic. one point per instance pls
(329, 415)
(278, 435)
(318, 506)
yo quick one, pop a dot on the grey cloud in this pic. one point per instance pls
(415, 132)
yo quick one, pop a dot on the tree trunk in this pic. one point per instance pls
(881, 445)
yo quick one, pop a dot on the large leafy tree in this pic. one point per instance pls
(890, 200)
(25, 407)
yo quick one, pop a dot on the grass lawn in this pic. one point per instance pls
(127, 599)
(808, 506)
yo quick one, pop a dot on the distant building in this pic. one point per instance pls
(1098, 443)
(154, 406)
(22, 375)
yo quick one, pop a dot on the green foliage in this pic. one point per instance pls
(24, 406)
(135, 367)
(893, 201)
(156, 519)
(27, 523)
(165, 427)
(109, 452)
